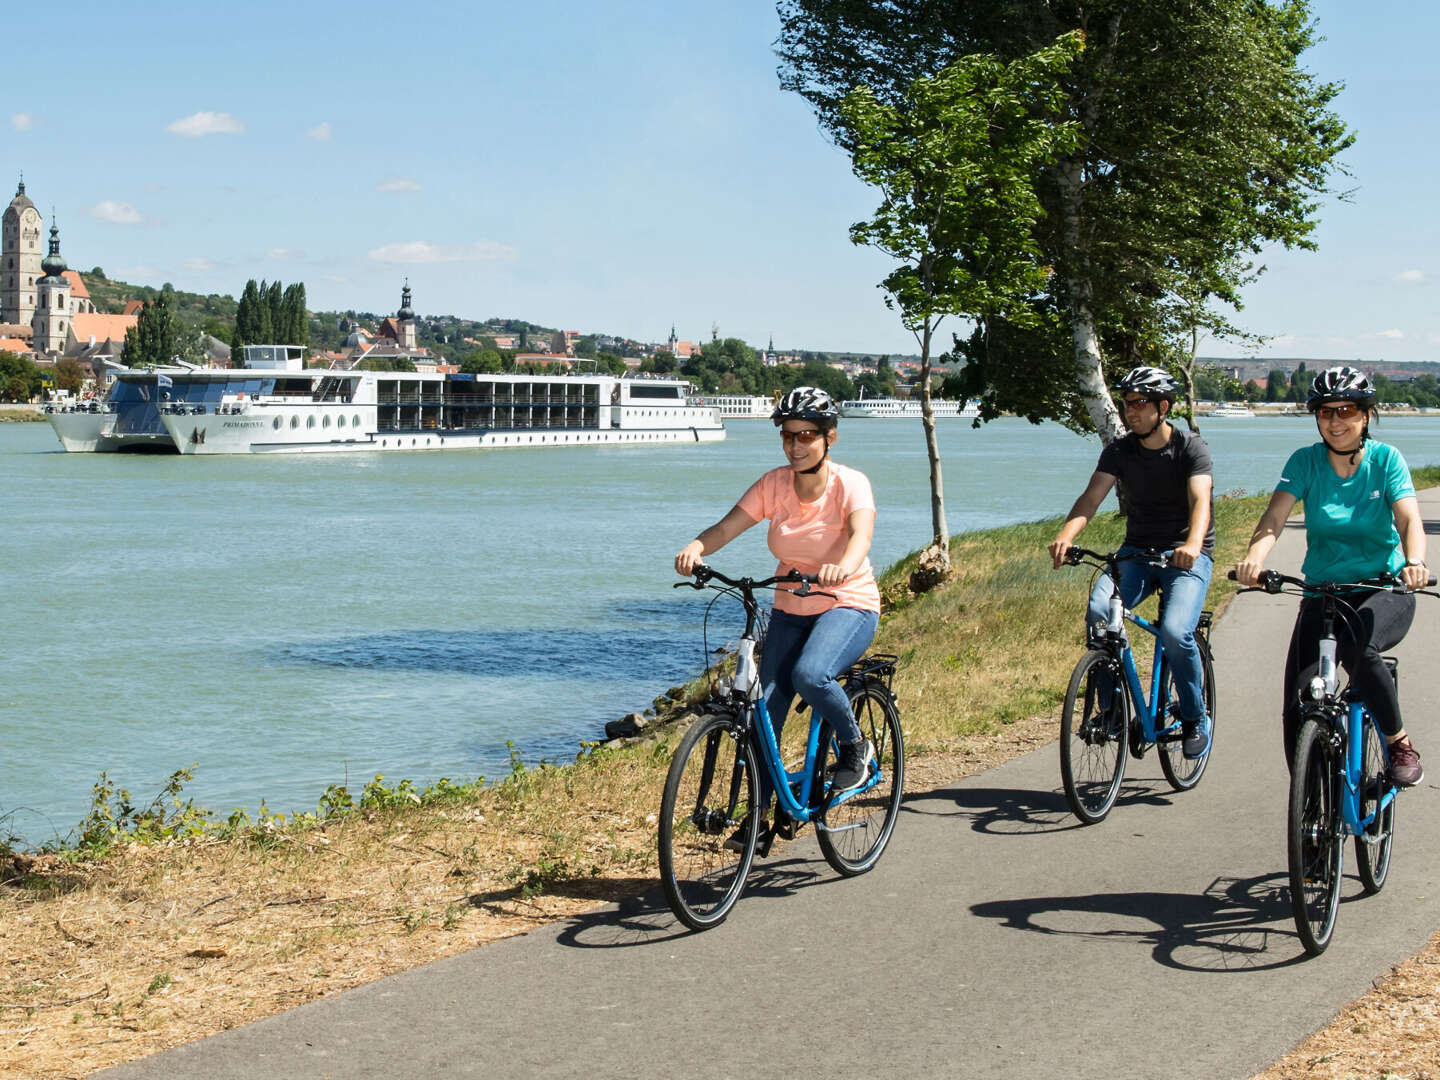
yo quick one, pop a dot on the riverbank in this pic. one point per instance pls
(116, 954)
(21, 414)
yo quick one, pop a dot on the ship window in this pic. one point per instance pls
(326, 421)
(355, 422)
(275, 423)
(310, 421)
(294, 421)
(340, 421)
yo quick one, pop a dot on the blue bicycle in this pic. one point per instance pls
(1339, 775)
(1107, 712)
(709, 822)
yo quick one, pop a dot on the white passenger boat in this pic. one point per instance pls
(889, 407)
(276, 406)
(742, 406)
(1231, 409)
(128, 417)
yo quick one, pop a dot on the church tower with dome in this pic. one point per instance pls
(19, 259)
(52, 296)
(405, 319)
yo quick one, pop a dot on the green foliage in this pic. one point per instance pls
(114, 817)
(20, 378)
(155, 337)
(1203, 140)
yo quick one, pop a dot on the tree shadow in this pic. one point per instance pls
(1018, 811)
(1236, 924)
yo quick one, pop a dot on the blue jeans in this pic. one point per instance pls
(1184, 595)
(803, 654)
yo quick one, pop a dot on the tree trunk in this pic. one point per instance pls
(941, 542)
(1093, 390)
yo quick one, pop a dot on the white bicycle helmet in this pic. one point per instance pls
(1340, 383)
(1151, 382)
(806, 403)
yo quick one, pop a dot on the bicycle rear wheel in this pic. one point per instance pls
(1093, 735)
(1372, 845)
(1313, 837)
(1182, 772)
(709, 794)
(853, 833)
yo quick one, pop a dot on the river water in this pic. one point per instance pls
(290, 622)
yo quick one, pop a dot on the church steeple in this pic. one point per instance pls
(406, 311)
(53, 264)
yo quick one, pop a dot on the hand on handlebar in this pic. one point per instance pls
(1059, 552)
(689, 557)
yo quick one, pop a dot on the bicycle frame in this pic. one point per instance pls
(1346, 717)
(793, 791)
(1148, 710)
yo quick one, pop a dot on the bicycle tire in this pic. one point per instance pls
(853, 834)
(1093, 745)
(709, 793)
(1373, 845)
(1184, 773)
(1313, 841)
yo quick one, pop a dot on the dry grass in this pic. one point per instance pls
(160, 944)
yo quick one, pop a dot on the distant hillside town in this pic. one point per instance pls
(73, 329)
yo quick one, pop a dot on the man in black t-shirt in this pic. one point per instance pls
(1166, 474)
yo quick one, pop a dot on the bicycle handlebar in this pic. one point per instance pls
(703, 573)
(1074, 554)
(1272, 581)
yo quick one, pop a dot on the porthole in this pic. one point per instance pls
(326, 421)
(294, 422)
(355, 421)
(275, 423)
(340, 421)
(310, 421)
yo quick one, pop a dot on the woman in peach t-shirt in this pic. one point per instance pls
(822, 516)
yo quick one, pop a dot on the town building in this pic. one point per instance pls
(19, 259)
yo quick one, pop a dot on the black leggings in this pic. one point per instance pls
(1364, 628)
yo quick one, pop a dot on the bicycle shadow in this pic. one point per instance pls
(1020, 811)
(1236, 924)
(646, 918)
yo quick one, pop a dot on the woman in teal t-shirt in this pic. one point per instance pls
(1361, 520)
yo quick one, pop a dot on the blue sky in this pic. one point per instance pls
(610, 168)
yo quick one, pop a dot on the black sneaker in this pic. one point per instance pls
(853, 768)
(735, 842)
(1405, 767)
(1196, 742)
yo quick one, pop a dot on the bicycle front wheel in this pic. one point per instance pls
(853, 833)
(707, 830)
(1315, 845)
(1182, 772)
(1373, 843)
(1093, 728)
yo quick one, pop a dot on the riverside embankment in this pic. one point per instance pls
(159, 944)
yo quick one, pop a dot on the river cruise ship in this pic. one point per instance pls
(318, 410)
(276, 405)
(891, 407)
(742, 406)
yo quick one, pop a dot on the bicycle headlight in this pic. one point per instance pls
(1317, 689)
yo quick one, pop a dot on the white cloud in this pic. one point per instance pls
(199, 264)
(398, 183)
(1392, 335)
(419, 251)
(116, 213)
(284, 254)
(1408, 277)
(321, 132)
(22, 121)
(206, 123)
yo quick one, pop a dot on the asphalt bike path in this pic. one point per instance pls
(996, 938)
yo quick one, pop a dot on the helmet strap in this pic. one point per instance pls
(819, 464)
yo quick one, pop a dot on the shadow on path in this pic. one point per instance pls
(1237, 924)
(1016, 811)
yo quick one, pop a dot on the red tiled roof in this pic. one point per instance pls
(77, 284)
(14, 344)
(101, 327)
(132, 307)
